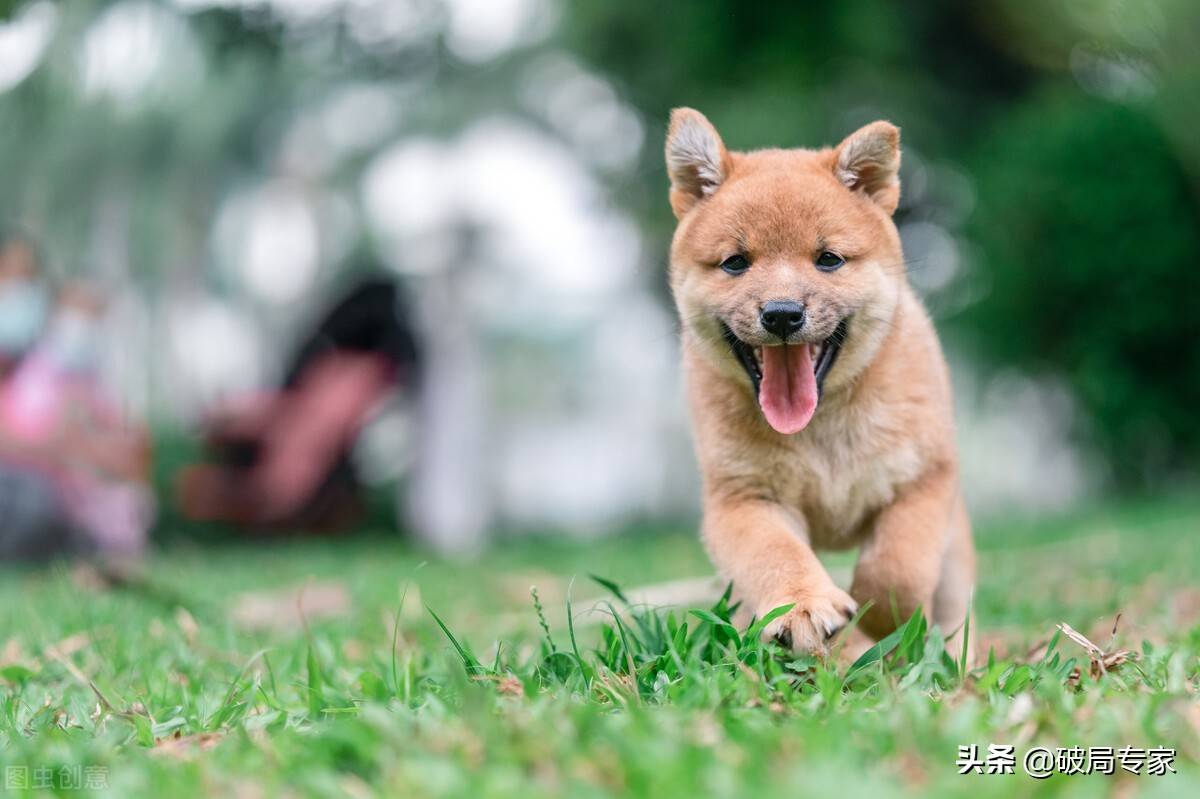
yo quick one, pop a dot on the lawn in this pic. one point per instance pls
(323, 668)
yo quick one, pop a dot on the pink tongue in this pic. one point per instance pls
(788, 393)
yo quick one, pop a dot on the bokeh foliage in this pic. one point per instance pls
(1089, 227)
(1073, 124)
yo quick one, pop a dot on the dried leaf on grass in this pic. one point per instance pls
(183, 747)
(187, 625)
(15, 665)
(289, 608)
(12, 652)
(510, 686)
(1102, 661)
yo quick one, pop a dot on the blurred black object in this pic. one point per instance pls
(363, 348)
(371, 318)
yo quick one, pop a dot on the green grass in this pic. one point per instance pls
(443, 679)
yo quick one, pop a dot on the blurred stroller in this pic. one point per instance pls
(281, 459)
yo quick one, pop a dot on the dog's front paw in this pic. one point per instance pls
(816, 616)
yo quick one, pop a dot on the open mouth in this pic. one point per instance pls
(788, 378)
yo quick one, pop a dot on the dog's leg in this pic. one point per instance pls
(956, 584)
(900, 563)
(763, 549)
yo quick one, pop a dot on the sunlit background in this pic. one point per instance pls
(219, 167)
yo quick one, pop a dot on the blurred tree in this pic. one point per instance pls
(152, 172)
(1089, 233)
(1077, 127)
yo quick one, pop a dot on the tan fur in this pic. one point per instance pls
(876, 467)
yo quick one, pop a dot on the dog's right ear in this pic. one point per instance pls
(697, 162)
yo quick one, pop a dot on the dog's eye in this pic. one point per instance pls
(829, 261)
(735, 264)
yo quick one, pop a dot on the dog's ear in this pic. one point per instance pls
(697, 162)
(868, 160)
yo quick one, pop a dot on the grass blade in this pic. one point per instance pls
(474, 667)
(611, 587)
(966, 643)
(316, 683)
(755, 629)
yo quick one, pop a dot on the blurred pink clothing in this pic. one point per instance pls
(37, 404)
(34, 399)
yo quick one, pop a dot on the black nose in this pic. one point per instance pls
(782, 317)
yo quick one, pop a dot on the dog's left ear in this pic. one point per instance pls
(868, 160)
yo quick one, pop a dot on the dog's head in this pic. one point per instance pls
(786, 266)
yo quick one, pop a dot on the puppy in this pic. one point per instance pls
(819, 394)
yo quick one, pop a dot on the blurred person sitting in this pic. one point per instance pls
(283, 457)
(24, 300)
(73, 471)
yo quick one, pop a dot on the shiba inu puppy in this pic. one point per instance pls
(819, 394)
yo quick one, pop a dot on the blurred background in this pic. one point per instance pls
(199, 194)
